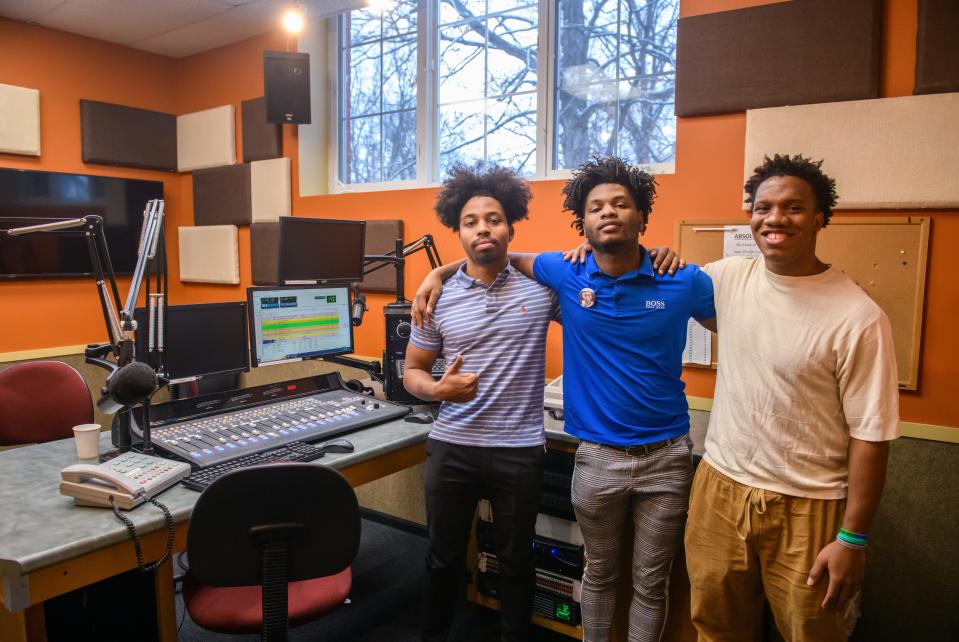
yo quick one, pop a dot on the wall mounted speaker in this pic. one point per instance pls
(286, 84)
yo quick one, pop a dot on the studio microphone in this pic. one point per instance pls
(127, 386)
(359, 307)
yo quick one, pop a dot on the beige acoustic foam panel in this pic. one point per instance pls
(887, 153)
(19, 120)
(270, 190)
(209, 254)
(205, 139)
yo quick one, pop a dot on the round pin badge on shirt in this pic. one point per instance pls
(587, 298)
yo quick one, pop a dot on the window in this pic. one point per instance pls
(377, 108)
(615, 81)
(539, 86)
(487, 83)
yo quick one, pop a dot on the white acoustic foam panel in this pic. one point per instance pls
(894, 153)
(19, 120)
(209, 254)
(270, 189)
(205, 139)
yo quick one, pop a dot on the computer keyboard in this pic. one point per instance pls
(291, 452)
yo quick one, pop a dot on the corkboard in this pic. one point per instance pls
(885, 256)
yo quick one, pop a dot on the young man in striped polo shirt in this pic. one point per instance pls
(488, 440)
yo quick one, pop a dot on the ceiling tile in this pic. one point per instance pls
(128, 21)
(27, 9)
(233, 25)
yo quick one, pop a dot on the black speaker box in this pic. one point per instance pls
(286, 84)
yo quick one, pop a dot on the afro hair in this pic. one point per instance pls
(600, 171)
(501, 184)
(823, 187)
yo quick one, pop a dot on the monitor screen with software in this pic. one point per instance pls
(299, 322)
(320, 250)
(200, 339)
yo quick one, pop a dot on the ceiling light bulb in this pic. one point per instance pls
(293, 21)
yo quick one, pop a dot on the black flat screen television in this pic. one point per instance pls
(30, 197)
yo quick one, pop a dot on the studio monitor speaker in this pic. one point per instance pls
(286, 84)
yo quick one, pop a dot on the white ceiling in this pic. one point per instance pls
(175, 28)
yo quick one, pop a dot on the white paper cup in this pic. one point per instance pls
(87, 438)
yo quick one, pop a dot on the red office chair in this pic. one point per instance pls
(42, 401)
(271, 546)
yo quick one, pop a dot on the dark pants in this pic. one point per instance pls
(456, 478)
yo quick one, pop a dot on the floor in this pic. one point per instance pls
(385, 600)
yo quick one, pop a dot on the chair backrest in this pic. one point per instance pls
(42, 401)
(238, 511)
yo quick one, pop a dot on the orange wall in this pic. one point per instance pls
(707, 183)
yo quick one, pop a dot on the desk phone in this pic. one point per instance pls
(129, 479)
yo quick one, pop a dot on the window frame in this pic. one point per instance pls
(427, 107)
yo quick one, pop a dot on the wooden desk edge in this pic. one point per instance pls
(21, 616)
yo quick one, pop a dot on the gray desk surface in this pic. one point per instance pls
(40, 527)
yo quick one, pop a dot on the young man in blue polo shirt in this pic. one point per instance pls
(490, 325)
(624, 329)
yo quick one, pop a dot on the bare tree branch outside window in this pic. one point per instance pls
(613, 94)
(615, 81)
(377, 126)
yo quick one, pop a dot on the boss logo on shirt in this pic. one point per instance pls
(655, 305)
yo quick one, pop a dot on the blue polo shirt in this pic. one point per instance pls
(622, 355)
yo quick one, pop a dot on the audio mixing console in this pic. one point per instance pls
(215, 428)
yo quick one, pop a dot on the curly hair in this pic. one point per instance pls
(823, 187)
(463, 183)
(610, 169)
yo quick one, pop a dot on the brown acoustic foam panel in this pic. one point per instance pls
(127, 136)
(264, 244)
(381, 238)
(937, 48)
(790, 53)
(261, 140)
(221, 196)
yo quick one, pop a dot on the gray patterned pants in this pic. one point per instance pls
(610, 485)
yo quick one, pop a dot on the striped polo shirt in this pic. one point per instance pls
(501, 332)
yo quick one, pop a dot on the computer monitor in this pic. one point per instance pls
(299, 322)
(320, 250)
(199, 340)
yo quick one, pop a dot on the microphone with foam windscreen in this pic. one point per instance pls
(359, 307)
(127, 386)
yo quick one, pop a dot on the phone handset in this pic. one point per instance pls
(93, 485)
(124, 482)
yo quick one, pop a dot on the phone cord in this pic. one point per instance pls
(171, 531)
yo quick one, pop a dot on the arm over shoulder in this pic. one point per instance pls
(549, 268)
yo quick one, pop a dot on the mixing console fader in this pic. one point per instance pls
(216, 428)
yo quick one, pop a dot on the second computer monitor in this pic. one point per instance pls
(320, 250)
(199, 339)
(298, 322)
